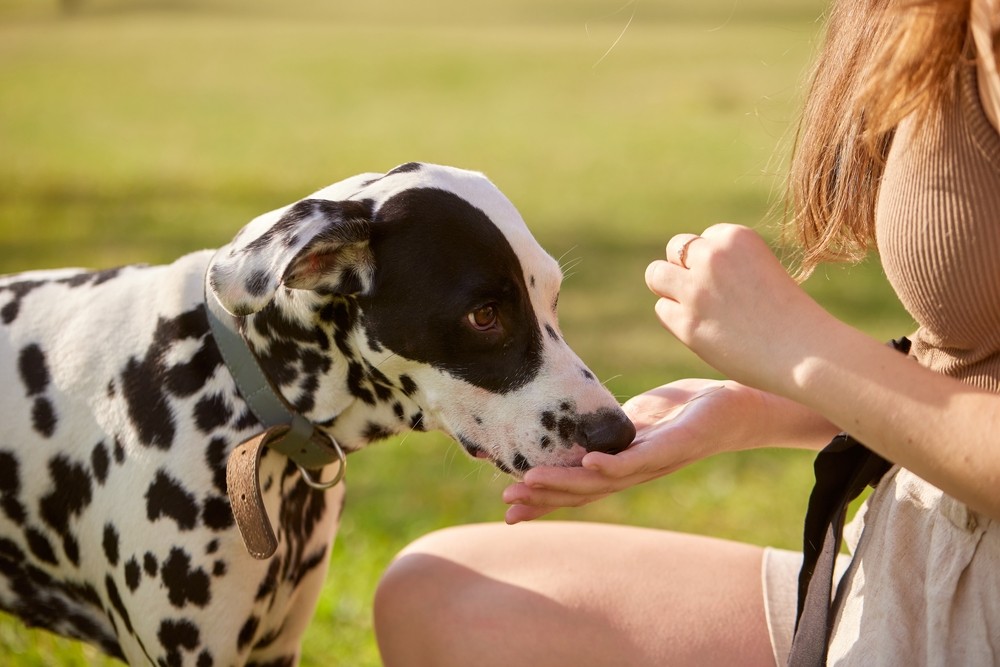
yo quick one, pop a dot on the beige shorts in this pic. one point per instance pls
(925, 588)
(780, 576)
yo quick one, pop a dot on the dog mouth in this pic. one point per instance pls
(519, 466)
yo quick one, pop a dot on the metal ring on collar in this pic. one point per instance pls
(341, 469)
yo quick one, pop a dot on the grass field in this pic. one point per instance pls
(136, 131)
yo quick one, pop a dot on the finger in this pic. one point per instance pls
(632, 466)
(724, 230)
(679, 247)
(555, 499)
(519, 513)
(662, 278)
(561, 490)
(672, 316)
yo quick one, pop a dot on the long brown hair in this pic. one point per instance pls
(882, 60)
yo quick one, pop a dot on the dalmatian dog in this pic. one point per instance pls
(415, 299)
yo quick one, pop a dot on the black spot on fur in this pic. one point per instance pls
(10, 477)
(267, 639)
(270, 581)
(166, 497)
(43, 417)
(116, 602)
(71, 548)
(34, 373)
(407, 384)
(133, 574)
(247, 632)
(587, 374)
(99, 462)
(217, 513)
(147, 382)
(355, 378)
(417, 422)
(20, 290)
(34, 370)
(40, 546)
(13, 508)
(10, 487)
(552, 332)
(567, 428)
(175, 635)
(258, 283)
(215, 457)
(520, 463)
(9, 312)
(142, 382)
(286, 661)
(183, 583)
(245, 421)
(205, 659)
(545, 442)
(211, 412)
(149, 564)
(10, 552)
(111, 544)
(71, 493)
(373, 432)
(549, 421)
(308, 564)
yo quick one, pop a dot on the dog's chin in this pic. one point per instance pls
(567, 458)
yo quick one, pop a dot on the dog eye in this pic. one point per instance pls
(483, 318)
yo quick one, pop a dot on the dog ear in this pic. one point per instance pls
(314, 244)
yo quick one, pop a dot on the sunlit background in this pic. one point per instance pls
(136, 131)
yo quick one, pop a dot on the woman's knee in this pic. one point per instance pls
(429, 587)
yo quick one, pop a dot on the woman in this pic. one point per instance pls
(899, 143)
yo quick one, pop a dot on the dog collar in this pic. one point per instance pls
(287, 432)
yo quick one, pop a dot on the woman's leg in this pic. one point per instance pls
(572, 595)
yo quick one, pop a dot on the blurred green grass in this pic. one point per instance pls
(136, 131)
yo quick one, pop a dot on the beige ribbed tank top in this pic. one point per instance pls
(938, 232)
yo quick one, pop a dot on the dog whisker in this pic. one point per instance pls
(613, 377)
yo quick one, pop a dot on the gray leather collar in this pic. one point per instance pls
(303, 443)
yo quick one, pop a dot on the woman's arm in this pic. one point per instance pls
(734, 304)
(944, 431)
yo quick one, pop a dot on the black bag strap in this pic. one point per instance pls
(843, 469)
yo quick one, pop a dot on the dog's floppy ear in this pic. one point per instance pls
(313, 244)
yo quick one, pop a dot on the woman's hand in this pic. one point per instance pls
(676, 424)
(727, 297)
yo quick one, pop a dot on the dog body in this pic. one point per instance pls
(415, 299)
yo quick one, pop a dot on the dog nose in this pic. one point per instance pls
(606, 430)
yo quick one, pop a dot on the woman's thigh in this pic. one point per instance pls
(573, 595)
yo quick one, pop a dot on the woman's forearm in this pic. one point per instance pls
(944, 431)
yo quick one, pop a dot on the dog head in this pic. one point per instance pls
(417, 299)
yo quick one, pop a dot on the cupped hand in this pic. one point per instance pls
(676, 424)
(726, 296)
